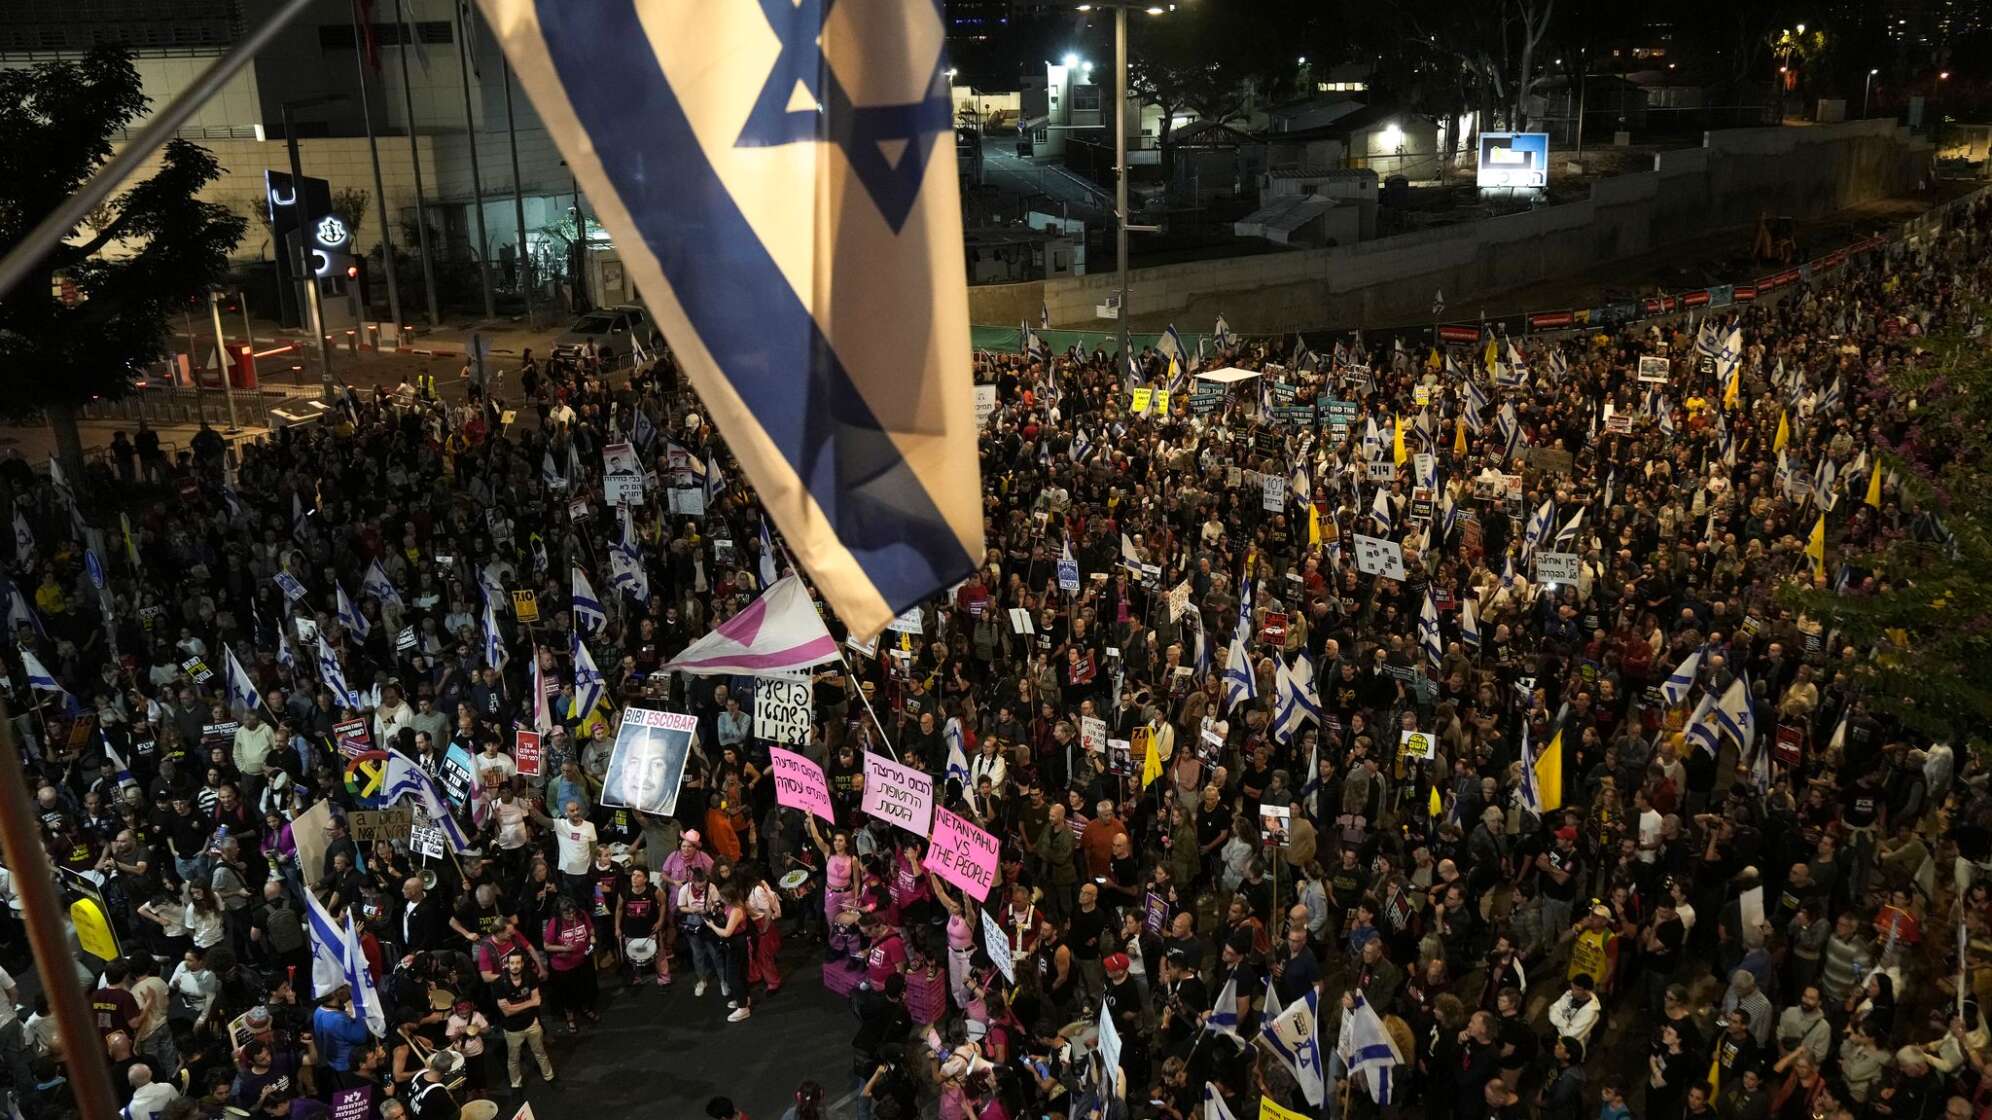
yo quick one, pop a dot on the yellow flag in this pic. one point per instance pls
(1313, 525)
(1433, 362)
(131, 550)
(1434, 807)
(1732, 393)
(1815, 547)
(1151, 759)
(1459, 437)
(1493, 356)
(1715, 1070)
(1784, 432)
(1397, 452)
(1874, 486)
(1549, 774)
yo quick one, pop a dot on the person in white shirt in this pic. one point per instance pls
(1577, 1011)
(575, 835)
(253, 741)
(149, 1098)
(392, 715)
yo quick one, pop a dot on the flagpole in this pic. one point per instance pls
(848, 671)
(41, 912)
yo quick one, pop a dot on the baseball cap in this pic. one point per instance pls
(691, 836)
(1566, 833)
(1115, 962)
(1600, 910)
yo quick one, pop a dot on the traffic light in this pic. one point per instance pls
(356, 278)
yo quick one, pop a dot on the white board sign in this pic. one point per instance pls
(1378, 557)
(782, 710)
(1653, 370)
(1020, 621)
(1272, 492)
(622, 475)
(907, 623)
(1179, 600)
(997, 944)
(1556, 567)
(1093, 733)
(985, 405)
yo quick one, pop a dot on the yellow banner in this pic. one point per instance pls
(1270, 1111)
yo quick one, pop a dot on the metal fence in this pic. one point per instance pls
(162, 406)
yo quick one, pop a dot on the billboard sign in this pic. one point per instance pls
(1514, 159)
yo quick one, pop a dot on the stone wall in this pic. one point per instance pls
(1807, 172)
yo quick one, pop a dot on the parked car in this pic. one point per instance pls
(612, 330)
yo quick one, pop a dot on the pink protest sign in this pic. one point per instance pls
(799, 784)
(898, 795)
(962, 854)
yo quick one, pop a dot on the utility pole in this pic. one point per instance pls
(465, 25)
(221, 360)
(361, 36)
(415, 158)
(315, 317)
(518, 200)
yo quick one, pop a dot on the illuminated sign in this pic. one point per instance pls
(1514, 159)
(331, 232)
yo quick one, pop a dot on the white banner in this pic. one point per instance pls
(782, 710)
(1378, 557)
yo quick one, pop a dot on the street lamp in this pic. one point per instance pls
(1865, 86)
(305, 272)
(1121, 213)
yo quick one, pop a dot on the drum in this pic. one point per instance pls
(479, 1110)
(640, 950)
(795, 884)
(441, 999)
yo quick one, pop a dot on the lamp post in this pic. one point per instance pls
(1865, 87)
(1121, 214)
(315, 314)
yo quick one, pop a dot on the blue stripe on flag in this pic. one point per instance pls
(762, 339)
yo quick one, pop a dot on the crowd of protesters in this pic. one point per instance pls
(1702, 910)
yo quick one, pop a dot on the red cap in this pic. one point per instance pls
(1115, 962)
(1566, 833)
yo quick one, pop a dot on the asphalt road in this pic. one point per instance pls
(661, 1053)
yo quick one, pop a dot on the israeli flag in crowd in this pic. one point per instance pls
(957, 757)
(494, 638)
(1682, 680)
(404, 778)
(1214, 1107)
(1223, 337)
(1735, 713)
(692, 127)
(334, 676)
(286, 656)
(715, 479)
(288, 584)
(19, 614)
(641, 430)
(588, 683)
(1531, 794)
(768, 571)
(337, 958)
(1294, 1037)
(1469, 624)
(120, 769)
(1298, 703)
(550, 474)
(39, 678)
(1702, 727)
(24, 541)
(626, 570)
(588, 613)
(1223, 1018)
(1366, 1049)
(1428, 633)
(241, 686)
(349, 615)
(379, 586)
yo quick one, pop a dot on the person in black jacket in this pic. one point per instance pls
(425, 920)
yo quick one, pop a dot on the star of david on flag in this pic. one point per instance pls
(779, 177)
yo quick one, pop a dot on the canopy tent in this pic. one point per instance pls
(1229, 375)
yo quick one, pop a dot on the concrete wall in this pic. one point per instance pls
(1736, 175)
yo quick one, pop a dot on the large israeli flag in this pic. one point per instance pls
(589, 617)
(779, 178)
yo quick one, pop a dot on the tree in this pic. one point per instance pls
(134, 265)
(1928, 616)
(1207, 61)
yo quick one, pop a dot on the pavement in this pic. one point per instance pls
(660, 1054)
